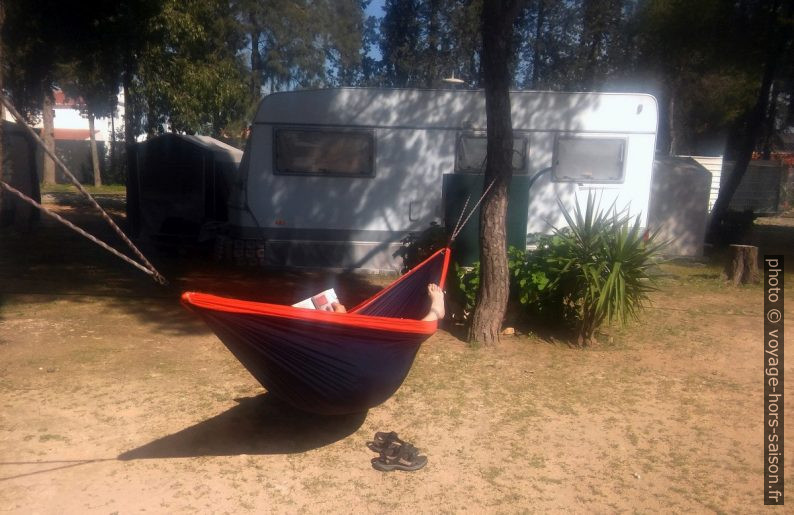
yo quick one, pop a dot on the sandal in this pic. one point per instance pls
(405, 457)
(384, 441)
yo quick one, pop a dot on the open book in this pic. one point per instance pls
(322, 300)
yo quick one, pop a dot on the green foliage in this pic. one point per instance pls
(592, 272)
(531, 281)
(468, 284)
(302, 43)
(416, 247)
(538, 281)
(423, 41)
(604, 266)
(190, 77)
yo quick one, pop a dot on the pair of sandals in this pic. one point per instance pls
(394, 454)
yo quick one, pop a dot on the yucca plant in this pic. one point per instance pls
(605, 265)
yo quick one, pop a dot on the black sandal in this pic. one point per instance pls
(384, 441)
(405, 457)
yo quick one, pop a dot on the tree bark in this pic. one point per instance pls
(94, 153)
(769, 125)
(2, 108)
(681, 133)
(256, 63)
(671, 119)
(497, 34)
(113, 143)
(743, 266)
(779, 41)
(129, 107)
(48, 137)
(540, 21)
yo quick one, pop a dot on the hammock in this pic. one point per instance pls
(324, 362)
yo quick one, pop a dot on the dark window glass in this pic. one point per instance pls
(580, 159)
(325, 152)
(471, 152)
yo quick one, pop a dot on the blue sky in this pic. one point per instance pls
(376, 8)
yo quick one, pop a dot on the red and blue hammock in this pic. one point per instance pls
(324, 362)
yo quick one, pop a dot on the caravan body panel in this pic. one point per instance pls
(352, 210)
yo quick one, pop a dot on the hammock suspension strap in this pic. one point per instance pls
(459, 226)
(146, 266)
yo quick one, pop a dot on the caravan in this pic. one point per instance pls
(337, 177)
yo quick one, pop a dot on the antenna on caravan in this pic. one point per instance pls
(453, 80)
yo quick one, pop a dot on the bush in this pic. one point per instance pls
(416, 247)
(467, 286)
(538, 284)
(602, 270)
(592, 272)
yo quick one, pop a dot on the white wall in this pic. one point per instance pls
(70, 118)
(416, 133)
(713, 165)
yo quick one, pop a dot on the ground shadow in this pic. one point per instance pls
(50, 260)
(257, 425)
(52, 466)
(547, 331)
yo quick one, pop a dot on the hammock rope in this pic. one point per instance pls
(67, 223)
(144, 264)
(459, 227)
(460, 217)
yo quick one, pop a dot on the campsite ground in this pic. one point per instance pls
(114, 399)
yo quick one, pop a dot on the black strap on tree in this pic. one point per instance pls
(144, 264)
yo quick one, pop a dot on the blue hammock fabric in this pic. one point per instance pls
(329, 363)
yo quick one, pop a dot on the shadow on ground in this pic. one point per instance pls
(257, 425)
(50, 260)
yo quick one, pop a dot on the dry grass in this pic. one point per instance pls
(115, 400)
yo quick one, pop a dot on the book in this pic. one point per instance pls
(322, 300)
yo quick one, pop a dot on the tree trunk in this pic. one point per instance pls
(779, 40)
(541, 19)
(256, 64)
(94, 153)
(681, 133)
(745, 154)
(48, 137)
(671, 128)
(497, 34)
(769, 125)
(2, 108)
(743, 266)
(113, 142)
(432, 74)
(129, 106)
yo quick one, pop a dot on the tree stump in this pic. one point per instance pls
(743, 266)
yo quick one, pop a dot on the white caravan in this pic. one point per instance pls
(337, 177)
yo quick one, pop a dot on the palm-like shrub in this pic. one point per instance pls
(603, 264)
(591, 272)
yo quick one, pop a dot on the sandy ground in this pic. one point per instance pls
(124, 403)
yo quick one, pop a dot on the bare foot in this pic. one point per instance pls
(436, 295)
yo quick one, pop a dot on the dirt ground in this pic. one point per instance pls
(114, 399)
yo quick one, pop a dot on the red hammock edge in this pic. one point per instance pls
(408, 274)
(350, 319)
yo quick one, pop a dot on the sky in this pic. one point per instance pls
(376, 8)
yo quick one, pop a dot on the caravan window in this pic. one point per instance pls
(589, 159)
(470, 155)
(324, 152)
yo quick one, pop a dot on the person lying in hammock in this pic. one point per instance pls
(436, 311)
